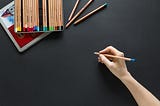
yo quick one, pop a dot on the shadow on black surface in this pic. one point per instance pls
(54, 35)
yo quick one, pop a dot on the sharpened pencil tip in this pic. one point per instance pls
(96, 53)
(106, 4)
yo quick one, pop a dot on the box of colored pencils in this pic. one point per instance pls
(38, 16)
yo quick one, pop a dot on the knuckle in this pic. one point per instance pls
(111, 66)
(121, 54)
(110, 47)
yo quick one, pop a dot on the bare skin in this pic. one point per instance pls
(118, 67)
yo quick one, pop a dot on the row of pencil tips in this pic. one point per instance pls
(38, 15)
(38, 29)
(73, 18)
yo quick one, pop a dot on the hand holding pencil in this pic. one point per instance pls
(116, 65)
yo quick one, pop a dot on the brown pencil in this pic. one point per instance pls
(69, 23)
(73, 11)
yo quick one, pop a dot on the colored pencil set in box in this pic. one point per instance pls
(38, 15)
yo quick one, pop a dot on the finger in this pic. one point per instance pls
(99, 60)
(111, 50)
(104, 60)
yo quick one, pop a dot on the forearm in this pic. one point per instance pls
(142, 96)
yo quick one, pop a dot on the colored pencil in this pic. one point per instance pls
(24, 16)
(74, 9)
(44, 9)
(91, 13)
(117, 57)
(49, 4)
(29, 17)
(61, 15)
(87, 4)
(16, 16)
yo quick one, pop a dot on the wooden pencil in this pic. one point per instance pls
(61, 14)
(117, 57)
(37, 15)
(73, 11)
(44, 16)
(88, 3)
(53, 14)
(49, 5)
(58, 11)
(24, 15)
(31, 28)
(18, 15)
(28, 17)
(15, 18)
(91, 13)
(33, 15)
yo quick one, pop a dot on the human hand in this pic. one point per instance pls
(116, 66)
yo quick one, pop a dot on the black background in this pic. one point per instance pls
(61, 70)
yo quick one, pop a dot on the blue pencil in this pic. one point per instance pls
(118, 57)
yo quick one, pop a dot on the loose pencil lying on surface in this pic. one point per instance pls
(88, 3)
(73, 10)
(91, 13)
(118, 57)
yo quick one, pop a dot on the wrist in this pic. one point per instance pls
(126, 77)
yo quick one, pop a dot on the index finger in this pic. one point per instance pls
(111, 50)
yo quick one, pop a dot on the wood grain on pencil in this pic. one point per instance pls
(69, 23)
(117, 57)
(29, 17)
(91, 13)
(74, 9)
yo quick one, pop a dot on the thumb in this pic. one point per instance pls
(105, 60)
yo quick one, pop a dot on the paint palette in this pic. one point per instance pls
(38, 16)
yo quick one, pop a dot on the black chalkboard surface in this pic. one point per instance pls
(62, 70)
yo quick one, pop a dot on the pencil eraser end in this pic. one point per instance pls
(133, 60)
